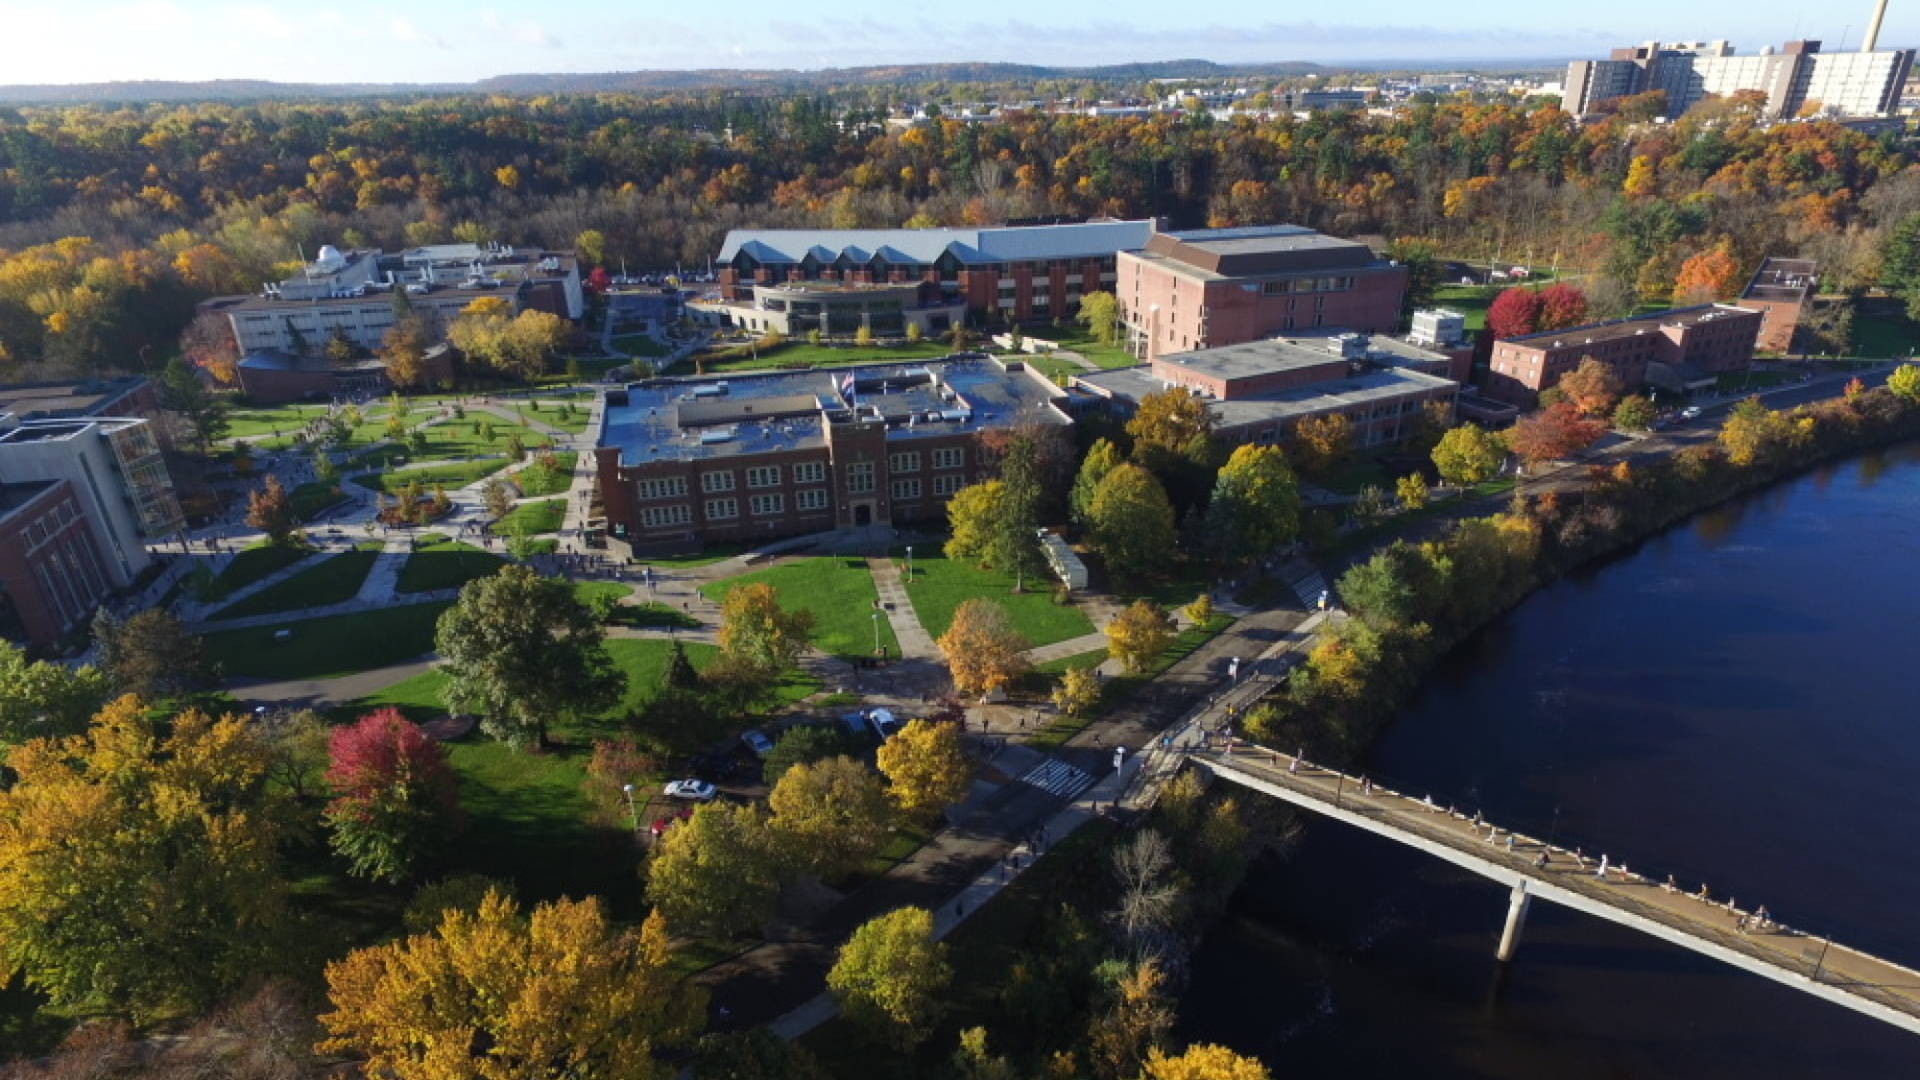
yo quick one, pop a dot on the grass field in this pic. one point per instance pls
(330, 581)
(534, 480)
(839, 592)
(1881, 330)
(440, 563)
(534, 517)
(268, 420)
(1053, 367)
(1075, 338)
(452, 474)
(326, 648)
(639, 345)
(549, 414)
(313, 498)
(256, 562)
(941, 585)
(801, 354)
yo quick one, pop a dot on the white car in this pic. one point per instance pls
(1691, 412)
(697, 790)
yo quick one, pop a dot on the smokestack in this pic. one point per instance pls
(1873, 28)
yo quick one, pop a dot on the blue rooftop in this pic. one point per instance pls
(996, 245)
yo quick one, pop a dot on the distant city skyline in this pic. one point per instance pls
(428, 41)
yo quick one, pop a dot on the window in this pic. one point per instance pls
(810, 499)
(716, 481)
(948, 484)
(906, 489)
(723, 508)
(904, 462)
(764, 505)
(763, 476)
(810, 472)
(664, 488)
(656, 517)
(949, 457)
(860, 477)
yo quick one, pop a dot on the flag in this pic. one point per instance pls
(846, 386)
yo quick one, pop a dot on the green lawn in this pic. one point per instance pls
(330, 581)
(1354, 472)
(796, 354)
(1469, 300)
(268, 420)
(549, 414)
(839, 592)
(440, 563)
(1054, 368)
(1188, 579)
(534, 517)
(651, 614)
(1075, 338)
(326, 648)
(1882, 330)
(457, 438)
(453, 474)
(639, 345)
(373, 425)
(1735, 381)
(534, 480)
(941, 585)
(313, 498)
(251, 564)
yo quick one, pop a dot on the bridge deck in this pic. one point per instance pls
(1708, 925)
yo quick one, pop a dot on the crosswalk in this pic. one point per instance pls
(1056, 777)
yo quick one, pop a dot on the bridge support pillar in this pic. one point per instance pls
(1516, 919)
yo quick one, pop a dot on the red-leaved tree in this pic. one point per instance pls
(1514, 313)
(1553, 433)
(1561, 306)
(394, 795)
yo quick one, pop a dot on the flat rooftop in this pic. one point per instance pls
(1346, 392)
(721, 417)
(1253, 358)
(63, 399)
(1270, 250)
(1783, 279)
(15, 495)
(1630, 327)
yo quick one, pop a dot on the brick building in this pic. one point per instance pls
(52, 577)
(1207, 288)
(1259, 390)
(1780, 290)
(1675, 348)
(682, 463)
(1019, 273)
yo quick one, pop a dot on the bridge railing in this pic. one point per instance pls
(1693, 911)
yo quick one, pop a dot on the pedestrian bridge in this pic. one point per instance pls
(1692, 919)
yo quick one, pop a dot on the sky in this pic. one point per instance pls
(69, 41)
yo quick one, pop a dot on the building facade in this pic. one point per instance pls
(682, 463)
(52, 576)
(839, 308)
(1186, 291)
(1019, 273)
(1780, 291)
(1689, 343)
(351, 294)
(1796, 78)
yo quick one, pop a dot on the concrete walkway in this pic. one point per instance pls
(915, 642)
(322, 693)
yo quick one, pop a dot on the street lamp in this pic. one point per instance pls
(631, 811)
(909, 562)
(876, 633)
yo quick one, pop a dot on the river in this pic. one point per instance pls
(1730, 701)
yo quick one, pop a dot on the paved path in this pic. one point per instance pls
(320, 693)
(915, 642)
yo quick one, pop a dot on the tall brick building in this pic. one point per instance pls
(682, 463)
(1207, 288)
(1691, 343)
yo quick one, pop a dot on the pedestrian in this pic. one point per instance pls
(1541, 862)
(1766, 919)
(959, 909)
(1602, 872)
(1580, 856)
(1294, 766)
(1509, 843)
(1671, 885)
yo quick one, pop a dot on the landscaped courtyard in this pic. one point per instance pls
(840, 593)
(940, 585)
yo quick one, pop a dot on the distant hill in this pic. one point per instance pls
(596, 82)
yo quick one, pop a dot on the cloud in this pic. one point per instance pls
(265, 21)
(404, 30)
(519, 31)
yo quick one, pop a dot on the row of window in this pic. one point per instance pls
(860, 475)
(50, 523)
(774, 504)
(1306, 285)
(767, 505)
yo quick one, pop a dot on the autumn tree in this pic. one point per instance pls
(1904, 383)
(982, 648)
(1713, 274)
(1079, 690)
(1168, 423)
(42, 699)
(1132, 521)
(1321, 441)
(1136, 1019)
(1554, 433)
(1634, 413)
(715, 873)
(1514, 313)
(891, 976)
(1561, 306)
(270, 509)
(138, 865)
(521, 652)
(927, 769)
(1100, 314)
(1255, 506)
(1752, 432)
(1139, 634)
(404, 347)
(1102, 458)
(1593, 388)
(150, 653)
(1203, 1061)
(756, 630)
(208, 344)
(831, 815)
(395, 797)
(491, 994)
(1468, 454)
(1412, 490)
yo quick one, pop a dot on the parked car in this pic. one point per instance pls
(1691, 412)
(697, 790)
(884, 725)
(758, 742)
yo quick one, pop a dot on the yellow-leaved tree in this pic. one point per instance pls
(1204, 1061)
(891, 975)
(830, 815)
(493, 995)
(1139, 634)
(926, 768)
(1079, 690)
(982, 648)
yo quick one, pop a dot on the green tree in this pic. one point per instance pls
(1634, 413)
(1255, 506)
(1423, 273)
(150, 653)
(183, 394)
(39, 699)
(1101, 459)
(1900, 264)
(1013, 544)
(138, 866)
(1132, 521)
(715, 872)
(972, 515)
(522, 652)
(1468, 454)
(1100, 314)
(804, 743)
(891, 975)
(1399, 586)
(830, 816)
